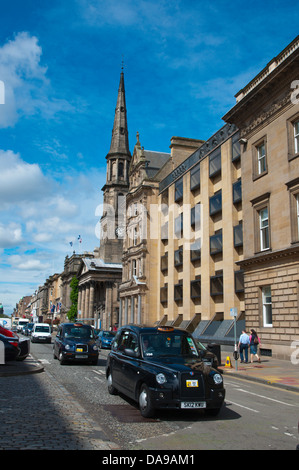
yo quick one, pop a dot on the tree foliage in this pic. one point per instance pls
(74, 285)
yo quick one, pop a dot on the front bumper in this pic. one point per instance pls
(166, 399)
(41, 339)
(76, 356)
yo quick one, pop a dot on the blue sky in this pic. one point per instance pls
(60, 63)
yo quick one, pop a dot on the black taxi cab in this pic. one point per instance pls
(160, 368)
(75, 342)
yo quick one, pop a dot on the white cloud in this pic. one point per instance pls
(27, 89)
(28, 263)
(19, 180)
(10, 235)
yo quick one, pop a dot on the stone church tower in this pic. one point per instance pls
(117, 184)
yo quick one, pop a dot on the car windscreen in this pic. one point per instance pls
(108, 334)
(42, 329)
(167, 344)
(78, 332)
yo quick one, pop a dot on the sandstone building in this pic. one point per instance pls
(267, 115)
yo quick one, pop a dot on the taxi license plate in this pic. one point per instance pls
(79, 350)
(191, 383)
(81, 356)
(193, 404)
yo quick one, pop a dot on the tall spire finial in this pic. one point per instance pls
(122, 63)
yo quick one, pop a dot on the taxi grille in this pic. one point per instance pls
(195, 391)
(82, 347)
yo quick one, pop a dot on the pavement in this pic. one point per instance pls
(30, 420)
(276, 372)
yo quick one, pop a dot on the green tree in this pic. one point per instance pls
(72, 313)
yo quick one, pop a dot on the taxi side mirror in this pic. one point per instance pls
(131, 353)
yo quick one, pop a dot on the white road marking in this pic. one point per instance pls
(263, 396)
(242, 406)
(100, 372)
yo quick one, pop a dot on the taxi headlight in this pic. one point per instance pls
(161, 379)
(217, 379)
(95, 348)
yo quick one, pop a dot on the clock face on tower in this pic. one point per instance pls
(120, 231)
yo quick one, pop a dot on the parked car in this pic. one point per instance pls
(11, 347)
(41, 333)
(105, 339)
(22, 322)
(23, 344)
(27, 329)
(5, 332)
(75, 342)
(162, 368)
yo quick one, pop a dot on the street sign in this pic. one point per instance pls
(233, 312)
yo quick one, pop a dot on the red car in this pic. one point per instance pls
(6, 332)
(23, 346)
(11, 344)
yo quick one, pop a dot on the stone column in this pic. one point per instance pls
(91, 301)
(83, 301)
(126, 310)
(139, 310)
(86, 302)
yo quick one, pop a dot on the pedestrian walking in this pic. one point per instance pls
(254, 343)
(244, 345)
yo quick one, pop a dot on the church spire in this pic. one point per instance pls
(120, 141)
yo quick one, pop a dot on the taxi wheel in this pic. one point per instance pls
(61, 360)
(145, 405)
(112, 390)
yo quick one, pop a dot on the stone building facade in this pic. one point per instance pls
(267, 115)
(140, 283)
(200, 219)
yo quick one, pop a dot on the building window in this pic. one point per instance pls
(264, 229)
(216, 203)
(237, 191)
(196, 289)
(293, 136)
(296, 136)
(120, 170)
(178, 291)
(164, 262)
(216, 243)
(236, 148)
(195, 216)
(164, 232)
(134, 267)
(261, 158)
(163, 294)
(195, 177)
(238, 235)
(178, 191)
(216, 284)
(178, 257)
(195, 251)
(293, 187)
(178, 226)
(262, 233)
(260, 166)
(135, 236)
(239, 281)
(267, 306)
(297, 214)
(215, 163)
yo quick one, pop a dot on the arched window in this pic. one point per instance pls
(120, 170)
